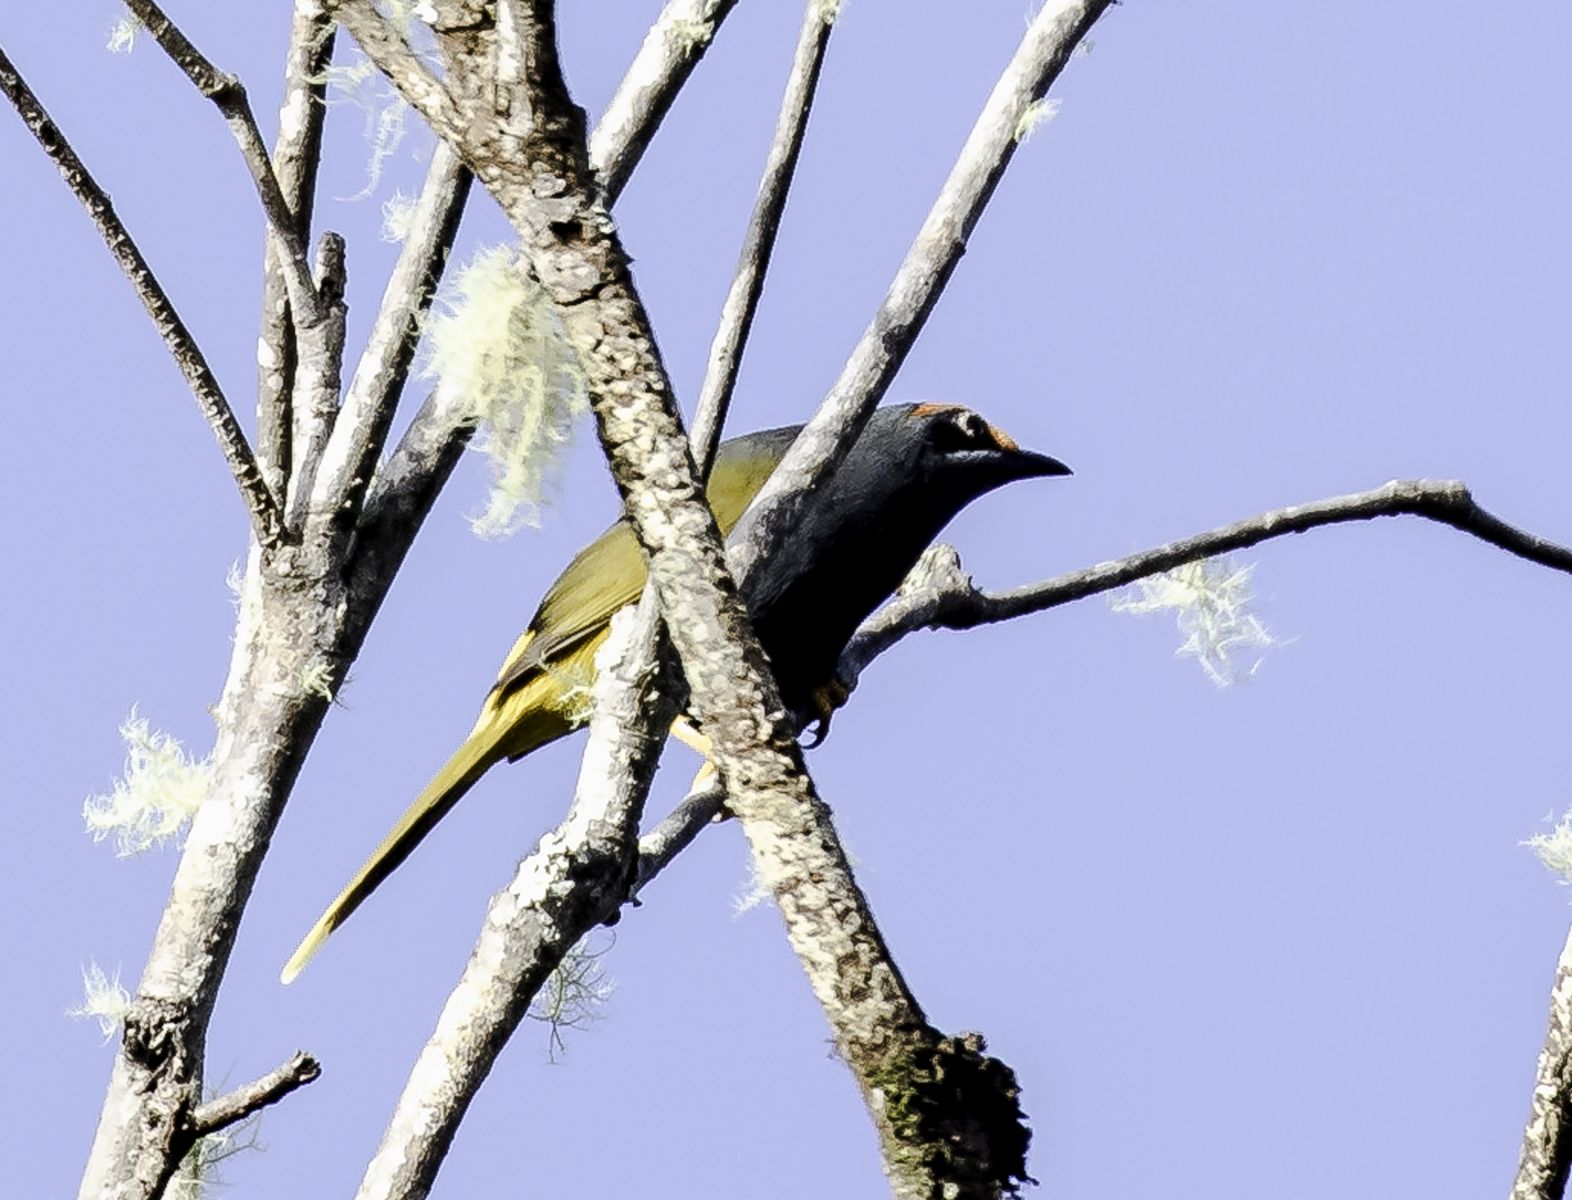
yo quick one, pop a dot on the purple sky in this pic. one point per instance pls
(1283, 932)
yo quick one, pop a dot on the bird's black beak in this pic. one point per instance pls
(1007, 464)
(1032, 465)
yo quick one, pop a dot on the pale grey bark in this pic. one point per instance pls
(1546, 1155)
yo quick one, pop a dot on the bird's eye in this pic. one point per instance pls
(965, 430)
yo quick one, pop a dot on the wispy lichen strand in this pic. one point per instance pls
(1211, 601)
(159, 792)
(497, 348)
(103, 1000)
(1554, 848)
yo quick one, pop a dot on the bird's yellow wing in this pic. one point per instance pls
(610, 571)
(534, 700)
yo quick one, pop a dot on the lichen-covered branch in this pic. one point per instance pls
(771, 526)
(262, 503)
(671, 49)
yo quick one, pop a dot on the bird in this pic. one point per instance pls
(911, 470)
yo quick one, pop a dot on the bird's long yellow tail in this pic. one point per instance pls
(480, 750)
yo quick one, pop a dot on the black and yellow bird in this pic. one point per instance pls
(912, 469)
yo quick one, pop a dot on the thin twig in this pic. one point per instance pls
(266, 517)
(671, 49)
(229, 94)
(947, 599)
(297, 153)
(239, 1104)
(676, 831)
(742, 301)
(1546, 1157)
(319, 370)
(770, 527)
(373, 395)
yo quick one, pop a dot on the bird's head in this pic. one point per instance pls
(959, 450)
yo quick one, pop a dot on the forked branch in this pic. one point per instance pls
(947, 599)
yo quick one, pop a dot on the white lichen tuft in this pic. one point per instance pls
(160, 791)
(1211, 600)
(123, 34)
(317, 680)
(828, 11)
(1554, 849)
(103, 1000)
(498, 349)
(1036, 114)
(755, 891)
(689, 33)
(398, 214)
(575, 995)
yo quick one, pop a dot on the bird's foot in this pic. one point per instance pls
(825, 700)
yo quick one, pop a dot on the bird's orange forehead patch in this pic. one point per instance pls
(1003, 440)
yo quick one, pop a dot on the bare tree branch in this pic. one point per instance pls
(296, 156)
(229, 94)
(266, 516)
(671, 49)
(742, 301)
(771, 524)
(1546, 1156)
(239, 1104)
(944, 597)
